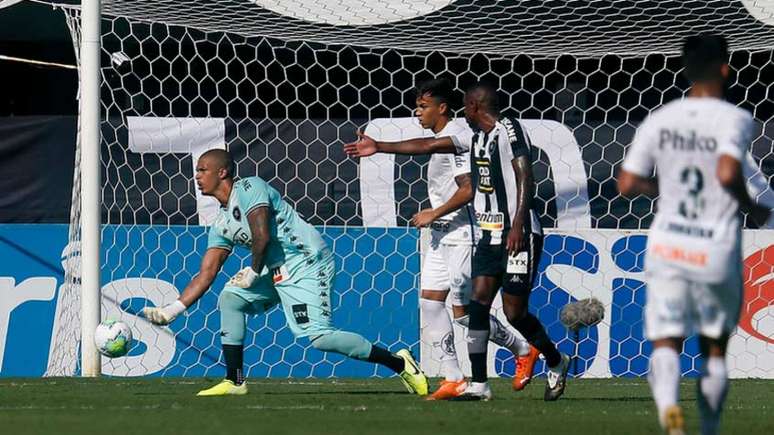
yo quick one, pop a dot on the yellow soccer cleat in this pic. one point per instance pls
(674, 422)
(225, 388)
(412, 377)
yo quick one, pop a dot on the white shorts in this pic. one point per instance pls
(447, 267)
(677, 307)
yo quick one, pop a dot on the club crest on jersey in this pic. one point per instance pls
(493, 143)
(489, 221)
(237, 214)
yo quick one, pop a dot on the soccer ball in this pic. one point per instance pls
(113, 338)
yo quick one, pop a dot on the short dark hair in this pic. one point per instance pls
(441, 89)
(222, 159)
(703, 55)
(487, 96)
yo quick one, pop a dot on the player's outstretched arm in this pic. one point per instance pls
(366, 146)
(631, 185)
(463, 195)
(730, 176)
(211, 263)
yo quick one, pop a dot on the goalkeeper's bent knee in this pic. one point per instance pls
(232, 318)
(345, 343)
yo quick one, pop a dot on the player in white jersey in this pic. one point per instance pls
(508, 253)
(693, 264)
(446, 269)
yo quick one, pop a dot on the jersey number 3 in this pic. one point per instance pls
(692, 205)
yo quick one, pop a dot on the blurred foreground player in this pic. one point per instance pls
(693, 266)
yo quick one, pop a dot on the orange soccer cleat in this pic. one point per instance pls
(448, 390)
(525, 365)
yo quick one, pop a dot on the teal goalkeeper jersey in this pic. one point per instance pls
(293, 240)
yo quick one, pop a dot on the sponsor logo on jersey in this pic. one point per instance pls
(237, 214)
(300, 313)
(690, 142)
(280, 274)
(679, 254)
(689, 230)
(241, 237)
(489, 221)
(484, 176)
(442, 226)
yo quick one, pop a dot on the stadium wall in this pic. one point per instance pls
(375, 294)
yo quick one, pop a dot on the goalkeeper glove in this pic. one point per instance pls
(164, 315)
(244, 278)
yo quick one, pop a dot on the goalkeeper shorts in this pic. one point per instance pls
(305, 294)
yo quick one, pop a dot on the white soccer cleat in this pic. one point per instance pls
(475, 391)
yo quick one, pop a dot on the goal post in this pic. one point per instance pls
(90, 168)
(282, 85)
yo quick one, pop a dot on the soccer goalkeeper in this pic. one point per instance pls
(291, 266)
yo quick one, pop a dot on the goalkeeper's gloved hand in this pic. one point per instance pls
(164, 315)
(244, 278)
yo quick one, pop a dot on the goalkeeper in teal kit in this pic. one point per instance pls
(291, 266)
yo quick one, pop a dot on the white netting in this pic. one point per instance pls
(66, 330)
(282, 93)
(472, 26)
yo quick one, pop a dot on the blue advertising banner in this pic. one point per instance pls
(375, 294)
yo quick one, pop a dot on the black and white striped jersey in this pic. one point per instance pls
(494, 181)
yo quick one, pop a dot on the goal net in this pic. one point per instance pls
(282, 85)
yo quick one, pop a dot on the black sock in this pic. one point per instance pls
(233, 355)
(531, 328)
(386, 358)
(478, 340)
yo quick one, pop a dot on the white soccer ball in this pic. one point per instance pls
(113, 338)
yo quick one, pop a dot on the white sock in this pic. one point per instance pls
(437, 330)
(664, 379)
(507, 338)
(501, 335)
(713, 386)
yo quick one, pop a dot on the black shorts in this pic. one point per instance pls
(491, 260)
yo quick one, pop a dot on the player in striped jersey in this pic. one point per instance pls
(509, 250)
(446, 270)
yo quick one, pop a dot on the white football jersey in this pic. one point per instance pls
(457, 227)
(697, 228)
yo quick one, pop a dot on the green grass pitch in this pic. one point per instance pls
(352, 406)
